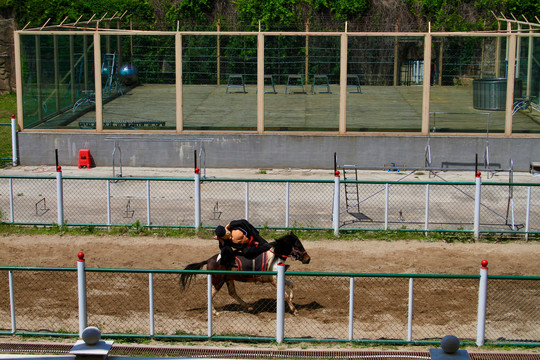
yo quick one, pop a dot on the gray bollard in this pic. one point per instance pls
(91, 346)
(449, 350)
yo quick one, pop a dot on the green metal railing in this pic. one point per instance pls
(420, 206)
(45, 305)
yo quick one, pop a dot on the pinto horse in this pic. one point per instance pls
(288, 246)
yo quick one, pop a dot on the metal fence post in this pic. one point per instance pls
(209, 310)
(426, 224)
(148, 219)
(386, 194)
(246, 214)
(280, 305)
(197, 198)
(108, 202)
(528, 213)
(12, 302)
(14, 145)
(287, 203)
(477, 203)
(482, 302)
(81, 277)
(410, 317)
(151, 302)
(335, 217)
(11, 204)
(351, 309)
(59, 195)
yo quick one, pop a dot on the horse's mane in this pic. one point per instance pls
(284, 245)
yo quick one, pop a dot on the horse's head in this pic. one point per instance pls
(290, 246)
(298, 250)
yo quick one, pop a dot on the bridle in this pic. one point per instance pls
(282, 256)
(295, 254)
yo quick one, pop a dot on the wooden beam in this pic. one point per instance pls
(343, 84)
(179, 83)
(260, 83)
(510, 80)
(18, 79)
(97, 82)
(426, 85)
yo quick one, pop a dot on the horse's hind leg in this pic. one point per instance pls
(214, 292)
(215, 289)
(233, 294)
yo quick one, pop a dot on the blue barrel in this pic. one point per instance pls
(490, 94)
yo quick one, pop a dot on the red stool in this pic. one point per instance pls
(84, 158)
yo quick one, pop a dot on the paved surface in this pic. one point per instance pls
(300, 174)
(377, 108)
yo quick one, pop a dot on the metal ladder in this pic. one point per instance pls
(109, 69)
(352, 201)
(352, 197)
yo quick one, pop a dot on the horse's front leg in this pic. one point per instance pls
(234, 295)
(291, 287)
(214, 292)
(288, 296)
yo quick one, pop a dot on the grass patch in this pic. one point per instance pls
(137, 230)
(8, 106)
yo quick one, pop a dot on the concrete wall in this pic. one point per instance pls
(276, 151)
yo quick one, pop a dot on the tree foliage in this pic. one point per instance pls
(268, 12)
(37, 12)
(465, 15)
(447, 15)
(342, 9)
(194, 11)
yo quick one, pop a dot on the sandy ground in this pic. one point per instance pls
(320, 306)
(413, 256)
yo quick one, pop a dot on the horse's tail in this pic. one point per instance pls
(185, 278)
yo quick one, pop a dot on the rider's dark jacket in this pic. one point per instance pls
(256, 245)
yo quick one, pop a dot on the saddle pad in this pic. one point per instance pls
(260, 263)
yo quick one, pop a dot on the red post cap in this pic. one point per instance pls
(484, 264)
(336, 173)
(13, 116)
(197, 170)
(58, 168)
(478, 174)
(80, 255)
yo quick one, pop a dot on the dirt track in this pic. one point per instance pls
(322, 302)
(517, 258)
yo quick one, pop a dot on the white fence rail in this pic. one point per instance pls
(343, 312)
(475, 207)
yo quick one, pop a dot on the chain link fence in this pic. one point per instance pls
(385, 307)
(512, 298)
(364, 205)
(43, 301)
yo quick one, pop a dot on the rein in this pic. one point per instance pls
(288, 256)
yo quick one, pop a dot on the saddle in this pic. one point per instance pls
(260, 263)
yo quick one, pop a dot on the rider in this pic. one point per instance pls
(239, 237)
